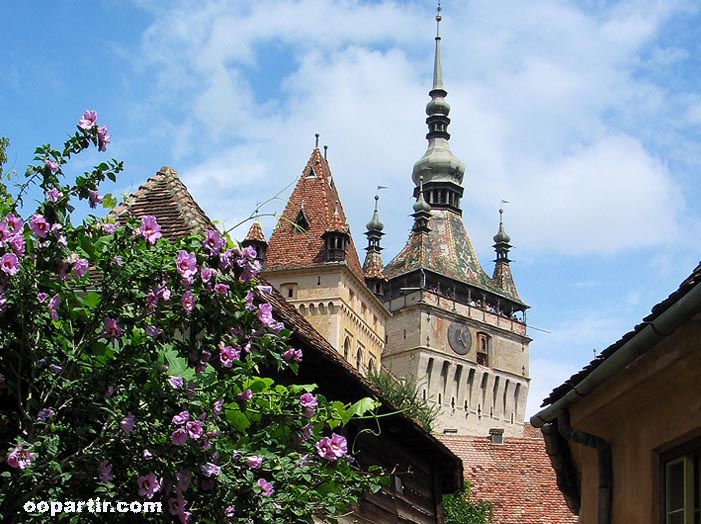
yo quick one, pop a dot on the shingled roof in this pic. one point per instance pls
(316, 199)
(515, 477)
(446, 250)
(690, 282)
(165, 196)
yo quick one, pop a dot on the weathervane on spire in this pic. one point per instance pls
(438, 19)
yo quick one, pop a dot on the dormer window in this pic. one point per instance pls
(335, 246)
(301, 224)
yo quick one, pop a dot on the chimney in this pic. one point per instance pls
(496, 435)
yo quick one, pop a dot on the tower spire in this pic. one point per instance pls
(441, 170)
(437, 69)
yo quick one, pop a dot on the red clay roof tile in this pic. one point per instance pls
(316, 197)
(516, 477)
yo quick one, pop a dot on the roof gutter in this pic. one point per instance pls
(661, 327)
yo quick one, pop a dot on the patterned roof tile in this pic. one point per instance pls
(446, 249)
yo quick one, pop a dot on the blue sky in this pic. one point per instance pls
(585, 116)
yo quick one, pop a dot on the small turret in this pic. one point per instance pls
(256, 239)
(502, 271)
(422, 211)
(372, 267)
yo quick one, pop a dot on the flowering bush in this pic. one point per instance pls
(137, 368)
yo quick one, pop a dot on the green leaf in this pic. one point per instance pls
(237, 419)
(91, 299)
(364, 405)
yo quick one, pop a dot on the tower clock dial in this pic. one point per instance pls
(459, 337)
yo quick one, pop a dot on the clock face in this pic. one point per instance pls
(459, 337)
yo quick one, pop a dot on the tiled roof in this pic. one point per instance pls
(686, 286)
(515, 477)
(316, 197)
(372, 267)
(255, 234)
(504, 280)
(446, 249)
(165, 196)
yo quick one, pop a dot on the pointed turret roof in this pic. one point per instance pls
(255, 234)
(313, 209)
(166, 197)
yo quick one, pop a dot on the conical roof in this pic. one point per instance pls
(166, 197)
(313, 209)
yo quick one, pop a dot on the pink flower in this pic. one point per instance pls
(147, 454)
(266, 486)
(53, 167)
(102, 138)
(105, 472)
(339, 445)
(254, 461)
(181, 418)
(245, 395)
(265, 314)
(127, 424)
(111, 331)
(227, 355)
(213, 242)
(217, 407)
(292, 354)
(194, 429)
(148, 485)
(184, 478)
(53, 194)
(80, 267)
(94, 198)
(222, 289)
(150, 229)
(9, 264)
(39, 226)
(176, 382)
(17, 244)
(109, 228)
(179, 437)
(88, 120)
(14, 224)
(186, 264)
(53, 304)
(206, 274)
(188, 302)
(176, 507)
(19, 458)
(210, 470)
(309, 404)
(45, 414)
(41, 297)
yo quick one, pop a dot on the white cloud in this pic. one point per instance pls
(536, 96)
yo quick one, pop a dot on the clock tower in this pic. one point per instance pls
(460, 334)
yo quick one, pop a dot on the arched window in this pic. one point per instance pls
(346, 348)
